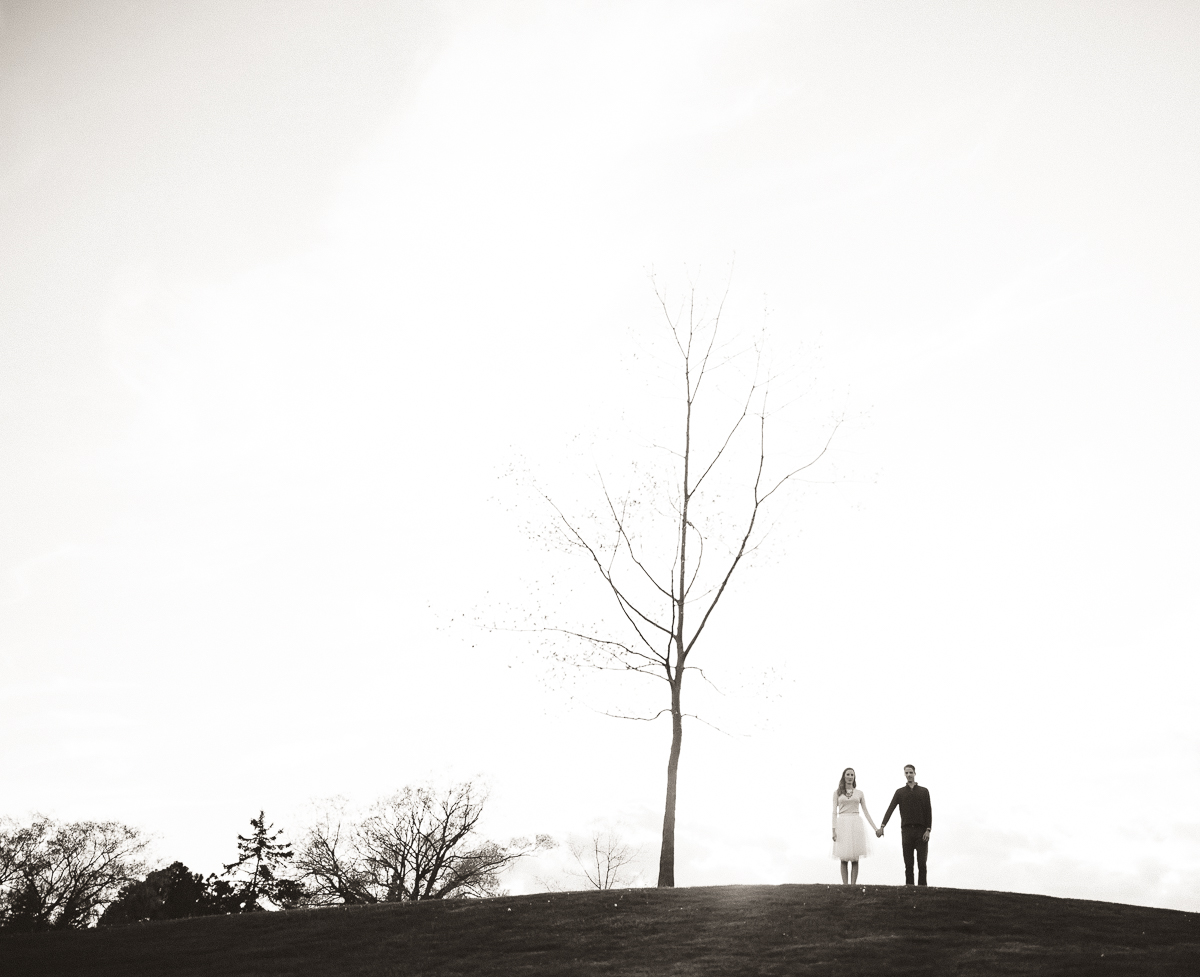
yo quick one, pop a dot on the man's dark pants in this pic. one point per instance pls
(912, 841)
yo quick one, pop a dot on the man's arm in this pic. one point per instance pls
(891, 808)
(928, 814)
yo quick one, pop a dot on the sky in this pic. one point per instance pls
(304, 302)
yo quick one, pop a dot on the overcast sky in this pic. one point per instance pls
(288, 289)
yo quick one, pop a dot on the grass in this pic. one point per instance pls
(737, 930)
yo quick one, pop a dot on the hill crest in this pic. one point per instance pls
(743, 930)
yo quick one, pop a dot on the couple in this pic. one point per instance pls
(850, 842)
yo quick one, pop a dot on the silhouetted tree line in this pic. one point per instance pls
(60, 876)
(258, 874)
(417, 844)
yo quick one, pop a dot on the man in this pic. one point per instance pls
(916, 822)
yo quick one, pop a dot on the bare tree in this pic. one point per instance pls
(60, 876)
(666, 563)
(330, 860)
(604, 859)
(414, 845)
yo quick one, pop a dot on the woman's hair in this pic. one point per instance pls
(842, 789)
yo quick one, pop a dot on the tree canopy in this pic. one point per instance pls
(59, 875)
(419, 843)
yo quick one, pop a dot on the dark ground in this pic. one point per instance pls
(742, 930)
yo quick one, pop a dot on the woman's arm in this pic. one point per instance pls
(862, 801)
(835, 799)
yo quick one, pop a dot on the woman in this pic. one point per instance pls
(849, 836)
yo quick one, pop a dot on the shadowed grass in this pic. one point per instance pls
(743, 930)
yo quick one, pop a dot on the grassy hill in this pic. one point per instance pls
(742, 930)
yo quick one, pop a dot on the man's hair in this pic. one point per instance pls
(909, 766)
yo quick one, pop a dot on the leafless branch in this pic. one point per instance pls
(691, 715)
(628, 542)
(640, 719)
(806, 465)
(699, 561)
(729, 437)
(693, 668)
(655, 658)
(623, 602)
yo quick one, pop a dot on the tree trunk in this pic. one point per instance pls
(666, 859)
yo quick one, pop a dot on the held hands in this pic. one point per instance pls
(925, 837)
(879, 832)
(835, 835)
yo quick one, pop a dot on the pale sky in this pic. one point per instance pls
(287, 289)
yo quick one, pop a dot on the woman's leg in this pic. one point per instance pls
(845, 878)
(853, 872)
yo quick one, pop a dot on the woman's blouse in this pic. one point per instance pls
(847, 804)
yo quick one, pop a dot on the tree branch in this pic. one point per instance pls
(624, 603)
(640, 719)
(628, 543)
(807, 464)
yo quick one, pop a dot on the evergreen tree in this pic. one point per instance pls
(258, 871)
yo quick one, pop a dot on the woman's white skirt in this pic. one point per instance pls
(853, 841)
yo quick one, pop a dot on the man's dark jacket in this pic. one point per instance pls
(915, 809)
